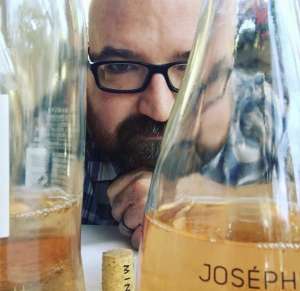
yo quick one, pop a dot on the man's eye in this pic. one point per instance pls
(120, 68)
(181, 67)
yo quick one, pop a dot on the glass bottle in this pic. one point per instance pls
(42, 114)
(224, 206)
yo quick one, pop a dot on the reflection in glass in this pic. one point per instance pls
(225, 197)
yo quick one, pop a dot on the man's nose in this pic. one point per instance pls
(157, 100)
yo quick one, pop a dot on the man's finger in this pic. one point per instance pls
(134, 215)
(135, 194)
(122, 182)
(137, 237)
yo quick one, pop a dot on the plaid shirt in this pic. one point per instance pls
(99, 173)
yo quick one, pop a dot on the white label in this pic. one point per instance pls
(37, 164)
(4, 166)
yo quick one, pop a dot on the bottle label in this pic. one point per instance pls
(217, 264)
(37, 167)
(63, 141)
(4, 166)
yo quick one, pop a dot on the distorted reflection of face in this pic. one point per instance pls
(130, 126)
(216, 112)
(216, 96)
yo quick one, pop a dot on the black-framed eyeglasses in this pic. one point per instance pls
(134, 77)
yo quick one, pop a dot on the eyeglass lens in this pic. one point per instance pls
(129, 76)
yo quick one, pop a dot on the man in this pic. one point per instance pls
(138, 52)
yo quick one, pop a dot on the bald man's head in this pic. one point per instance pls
(145, 31)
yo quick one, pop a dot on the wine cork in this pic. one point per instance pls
(118, 270)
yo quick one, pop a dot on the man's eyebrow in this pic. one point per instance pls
(182, 56)
(109, 52)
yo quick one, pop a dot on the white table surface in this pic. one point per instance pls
(94, 241)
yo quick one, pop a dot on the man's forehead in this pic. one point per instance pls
(143, 7)
(138, 24)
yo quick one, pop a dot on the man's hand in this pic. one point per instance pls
(127, 196)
